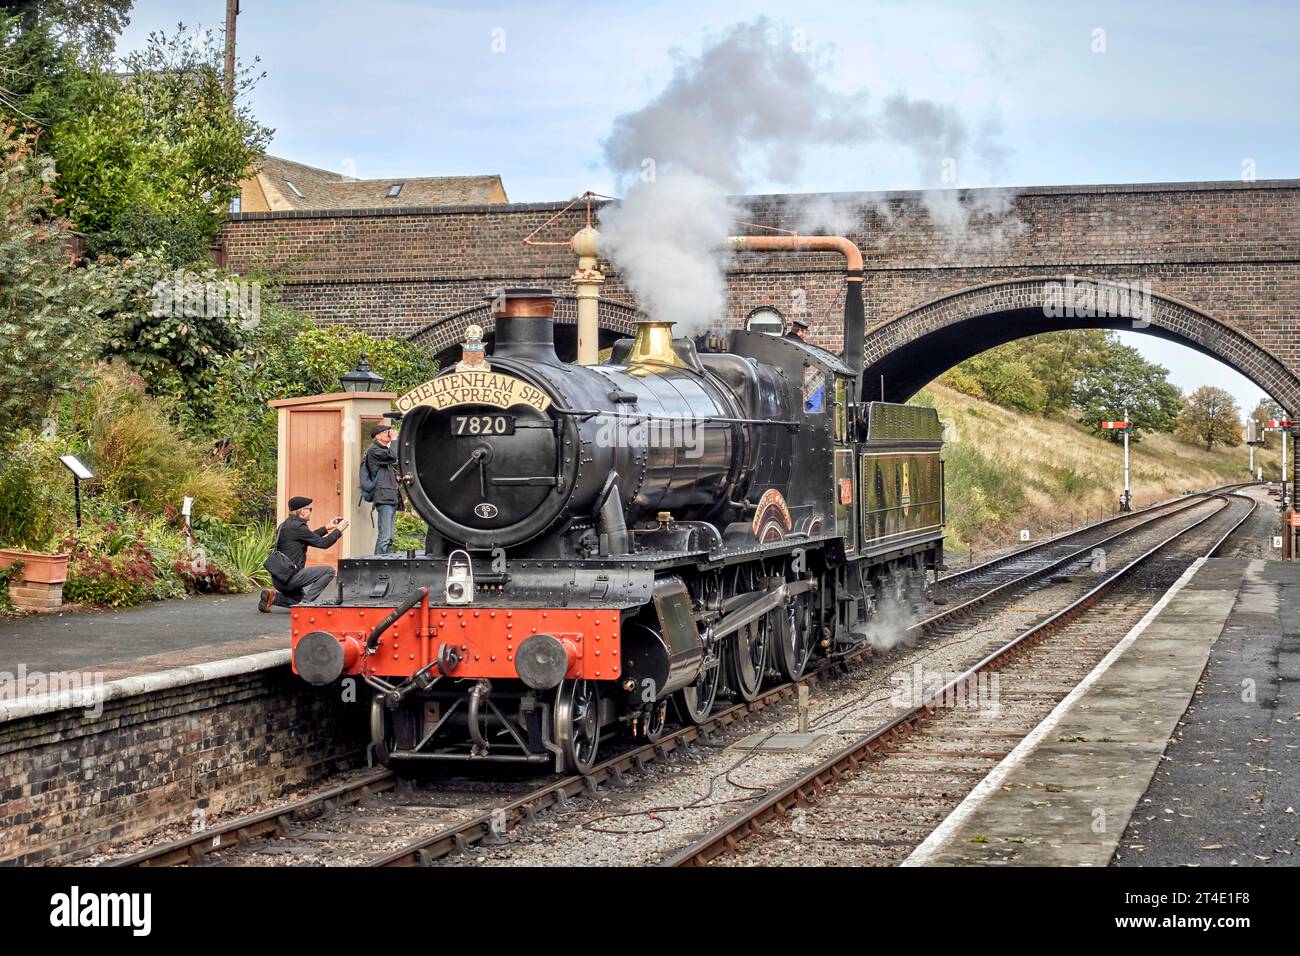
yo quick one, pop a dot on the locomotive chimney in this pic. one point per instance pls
(653, 345)
(525, 324)
(855, 316)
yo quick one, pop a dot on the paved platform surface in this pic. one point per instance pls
(1228, 790)
(1067, 794)
(141, 640)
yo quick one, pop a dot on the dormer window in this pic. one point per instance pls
(394, 190)
(296, 191)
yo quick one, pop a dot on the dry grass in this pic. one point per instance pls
(1007, 470)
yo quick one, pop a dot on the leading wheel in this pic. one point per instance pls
(695, 700)
(577, 723)
(746, 658)
(795, 638)
(382, 738)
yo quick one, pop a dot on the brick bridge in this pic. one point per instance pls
(1220, 261)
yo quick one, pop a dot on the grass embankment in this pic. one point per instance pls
(1008, 470)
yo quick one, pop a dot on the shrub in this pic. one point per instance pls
(409, 531)
(115, 579)
(11, 573)
(247, 551)
(33, 495)
(48, 310)
(140, 460)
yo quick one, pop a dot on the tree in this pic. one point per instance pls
(88, 26)
(49, 311)
(1123, 379)
(153, 156)
(1210, 415)
(1265, 411)
(47, 50)
(1035, 374)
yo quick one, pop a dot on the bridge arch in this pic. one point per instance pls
(444, 335)
(916, 346)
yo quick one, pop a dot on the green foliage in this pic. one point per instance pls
(1037, 374)
(409, 531)
(47, 48)
(242, 551)
(33, 494)
(980, 491)
(155, 152)
(1123, 379)
(329, 351)
(289, 356)
(48, 310)
(12, 573)
(174, 327)
(137, 454)
(111, 566)
(1210, 417)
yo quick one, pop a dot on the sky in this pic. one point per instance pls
(1074, 93)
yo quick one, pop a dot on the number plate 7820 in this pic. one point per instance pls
(463, 426)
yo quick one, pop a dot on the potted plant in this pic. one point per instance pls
(36, 582)
(29, 518)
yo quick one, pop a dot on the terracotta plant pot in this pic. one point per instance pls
(38, 568)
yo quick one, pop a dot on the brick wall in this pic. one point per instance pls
(69, 784)
(1228, 249)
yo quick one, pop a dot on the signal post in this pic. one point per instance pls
(1126, 499)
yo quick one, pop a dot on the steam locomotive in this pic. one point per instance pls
(616, 547)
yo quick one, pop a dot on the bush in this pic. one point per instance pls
(48, 310)
(33, 495)
(120, 576)
(409, 531)
(11, 573)
(246, 553)
(140, 460)
(326, 352)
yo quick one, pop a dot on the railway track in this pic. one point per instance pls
(1023, 560)
(896, 763)
(471, 820)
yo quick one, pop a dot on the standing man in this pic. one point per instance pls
(292, 539)
(382, 465)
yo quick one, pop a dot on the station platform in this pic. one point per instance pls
(1157, 759)
(133, 642)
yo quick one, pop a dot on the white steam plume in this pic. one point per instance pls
(752, 102)
(668, 238)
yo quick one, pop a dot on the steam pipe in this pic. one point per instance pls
(855, 313)
(611, 526)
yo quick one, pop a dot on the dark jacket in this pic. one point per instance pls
(293, 538)
(382, 463)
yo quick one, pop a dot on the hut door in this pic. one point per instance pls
(313, 468)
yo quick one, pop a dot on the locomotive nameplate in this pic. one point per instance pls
(456, 389)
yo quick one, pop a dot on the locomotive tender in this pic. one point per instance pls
(676, 524)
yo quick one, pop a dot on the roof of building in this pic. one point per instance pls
(288, 185)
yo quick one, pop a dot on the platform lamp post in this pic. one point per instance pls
(80, 473)
(361, 378)
(1126, 499)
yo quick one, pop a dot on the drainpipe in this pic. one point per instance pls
(588, 280)
(855, 321)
